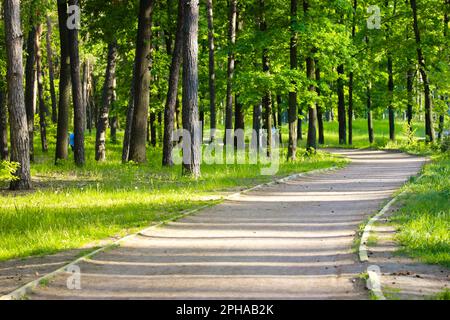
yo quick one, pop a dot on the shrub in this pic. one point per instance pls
(7, 170)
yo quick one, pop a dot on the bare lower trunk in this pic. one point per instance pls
(20, 146)
(192, 148)
(42, 106)
(429, 130)
(172, 93)
(30, 85)
(142, 84)
(51, 72)
(62, 135)
(369, 114)
(3, 126)
(212, 71)
(230, 71)
(319, 108)
(78, 108)
(311, 142)
(293, 116)
(341, 106)
(107, 100)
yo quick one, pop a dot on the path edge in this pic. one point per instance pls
(22, 292)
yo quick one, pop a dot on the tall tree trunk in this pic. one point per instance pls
(350, 80)
(51, 71)
(429, 130)
(172, 93)
(62, 135)
(230, 71)
(410, 88)
(152, 127)
(129, 123)
(20, 146)
(239, 117)
(391, 95)
(369, 113)
(442, 115)
(257, 115)
(279, 120)
(107, 99)
(42, 106)
(191, 149)
(311, 142)
(300, 124)
(391, 79)
(30, 84)
(84, 90)
(212, 71)
(3, 126)
(78, 108)
(319, 107)
(142, 83)
(267, 99)
(341, 106)
(293, 116)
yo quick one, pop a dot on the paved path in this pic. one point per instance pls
(287, 241)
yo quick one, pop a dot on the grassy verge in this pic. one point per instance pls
(424, 219)
(71, 207)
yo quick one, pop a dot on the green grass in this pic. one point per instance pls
(71, 207)
(444, 295)
(424, 219)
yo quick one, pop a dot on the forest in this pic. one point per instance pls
(108, 107)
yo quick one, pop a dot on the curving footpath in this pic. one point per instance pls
(292, 240)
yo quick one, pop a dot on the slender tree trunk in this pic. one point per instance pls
(62, 135)
(239, 122)
(142, 83)
(152, 127)
(341, 106)
(51, 71)
(429, 130)
(350, 81)
(42, 106)
(84, 91)
(172, 93)
(3, 126)
(230, 71)
(319, 108)
(391, 95)
(192, 149)
(107, 99)
(20, 146)
(293, 116)
(300, 124)
(78, 108)
(257, 115)
(129, 123)
(410, 88)
(30, 84)
(442, 115)
(212, 71)
(279, 119)
(311, 143)
(267, 99)
(369, 113)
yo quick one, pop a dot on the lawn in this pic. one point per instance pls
(71, 207)
(424, 219)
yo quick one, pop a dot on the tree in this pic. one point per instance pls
(107, 99)
(192, 146)
(429, 130)
(77, 97)
(62, 135)
(230, 71)
(30, 80)
(3, 126)
(141, 84)
(51, 72)
(172, 93)
(293, 117)
(40, 81)
(20, 145)
(350, 81)
(211, 68)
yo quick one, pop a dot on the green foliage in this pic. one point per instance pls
(7, 170)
